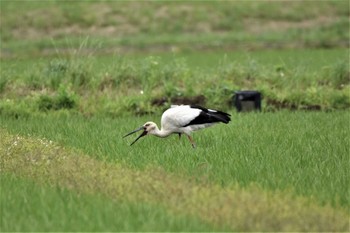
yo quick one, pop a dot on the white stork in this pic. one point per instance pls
(183, 119)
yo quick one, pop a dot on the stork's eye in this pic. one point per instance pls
(147, 125)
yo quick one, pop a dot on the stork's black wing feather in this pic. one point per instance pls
(209, 116)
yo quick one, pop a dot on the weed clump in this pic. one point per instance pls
(64, 99)
(340, 75)
(17, 110)
(55, 72)
(3, 83)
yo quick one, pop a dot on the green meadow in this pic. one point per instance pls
(136, 84)
(273, 168)
(42, 208)
(75, 78)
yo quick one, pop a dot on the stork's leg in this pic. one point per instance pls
(179, 135)
(191, 140)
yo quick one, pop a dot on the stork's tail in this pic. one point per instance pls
(220, 116)
(211, 116)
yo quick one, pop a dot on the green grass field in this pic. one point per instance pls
(112, 85)
(294, 155)
(75, 78)
(144, 27)
(276, 150)
(29, 207)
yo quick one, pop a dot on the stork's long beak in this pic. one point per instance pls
(136, 130)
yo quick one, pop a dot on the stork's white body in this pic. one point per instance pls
(175, 119)
(183, 119)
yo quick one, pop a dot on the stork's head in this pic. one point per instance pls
(148, 128)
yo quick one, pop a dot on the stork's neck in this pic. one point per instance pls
(160, 133)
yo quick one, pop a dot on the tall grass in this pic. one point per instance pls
(118, 86)
(232, 207)
(302, 152)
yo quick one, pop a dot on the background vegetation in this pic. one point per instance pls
(100, 62)
(75, 76)
(181, 26)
